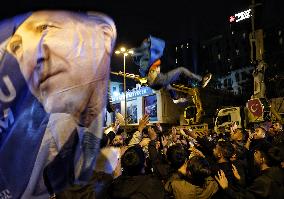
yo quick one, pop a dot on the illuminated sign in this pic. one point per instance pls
(134, 93)
(240, 16)
(232, 19)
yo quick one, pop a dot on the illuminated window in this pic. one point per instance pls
(225, 83)
(219, 56)
(121, 88)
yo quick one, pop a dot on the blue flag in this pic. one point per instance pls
(150, 50)
(22, 119)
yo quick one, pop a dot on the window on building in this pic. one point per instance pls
(219, 85)
(237, 76)
(244, 75)
(229, 82)
(237, 51)
(219, 56)
(121, 88)
(239, 90)
(225, 83)
(113, 88)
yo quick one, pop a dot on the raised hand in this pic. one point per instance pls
(183, 133)
(164, 140)
(158, 125)
(144, 142)
(251, 135)
(233, 127)
(196, 152)
(174, 134)
(221, 179)
(116, 125)
(143, 122)
(236, 173)
(174, 130)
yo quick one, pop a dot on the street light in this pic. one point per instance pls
(125, 52)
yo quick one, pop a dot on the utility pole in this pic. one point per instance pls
(252, 34)
(257, 50)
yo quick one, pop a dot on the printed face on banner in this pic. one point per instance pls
(54, 72)
(64, 57)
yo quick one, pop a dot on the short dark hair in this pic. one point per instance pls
(227, 149)
(111, 136)
(177, 156)
(272, 154)
(132, 161)
(198, 170)
(104, 141)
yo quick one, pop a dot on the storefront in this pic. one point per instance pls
(144, 100)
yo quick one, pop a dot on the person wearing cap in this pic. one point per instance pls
(147, 57)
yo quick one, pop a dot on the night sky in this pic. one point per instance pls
(174, 21)
(171, 20)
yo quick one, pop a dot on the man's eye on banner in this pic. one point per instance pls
(54, 72)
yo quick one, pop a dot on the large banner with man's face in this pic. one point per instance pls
(54, 71)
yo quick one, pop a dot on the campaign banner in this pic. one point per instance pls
(54, 73)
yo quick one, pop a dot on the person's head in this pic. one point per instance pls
(152, 132)
(198, 170)
(277, 127)
(104, 141)
(133, 161)
(64, 57)
(267, 155)
(117, 141)
(259, 133)
(148, 55)
(154, 70)
(223, 150)
(111, 136)
(177, 156)
(237, 135)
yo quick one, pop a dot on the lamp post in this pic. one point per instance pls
(123, 51)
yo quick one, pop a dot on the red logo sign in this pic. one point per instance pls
(232, 19)
(255, 107)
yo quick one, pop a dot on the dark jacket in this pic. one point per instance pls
(136, 187)
(159, 163)
(269, 185)
(278, 139)
(227, 168)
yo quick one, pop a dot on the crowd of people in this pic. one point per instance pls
(63, 63)
(154, 162)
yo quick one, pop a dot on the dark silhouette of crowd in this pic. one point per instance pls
(154, 162)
